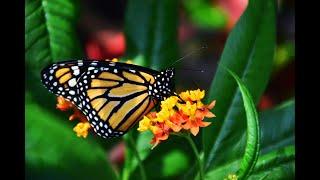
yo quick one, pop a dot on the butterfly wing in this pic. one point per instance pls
(61, 78)
(113, 96)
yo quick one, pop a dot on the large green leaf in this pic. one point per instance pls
(50, 36)
(151, 32)
(277, 132)
(249, 53)
(50, 32)
(278, 126)
(53, 151)
(253, 132)
(277, 164)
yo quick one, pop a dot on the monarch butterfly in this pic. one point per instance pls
(112, 95)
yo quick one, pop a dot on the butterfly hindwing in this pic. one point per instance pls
(115, 98)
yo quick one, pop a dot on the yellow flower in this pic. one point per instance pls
(188, 109)
(163, 115)
(82, 129)
(176, 115)
(195, 95)
(144, 124)
(231, 177)
(169, 103)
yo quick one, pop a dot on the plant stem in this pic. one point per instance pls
(142, 170)
(196, 152)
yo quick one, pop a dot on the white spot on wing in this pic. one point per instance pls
(72, 92)
(76, 72)
(74, 67)
(72, 82)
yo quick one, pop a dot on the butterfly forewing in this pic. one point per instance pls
(61, 78)
(113, 96)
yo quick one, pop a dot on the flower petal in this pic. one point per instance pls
(209, 114)
(212, 104)
(205, 124)
(194, 130)
(82, 129)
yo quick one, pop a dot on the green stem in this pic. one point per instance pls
(196, 152)
(142, 171)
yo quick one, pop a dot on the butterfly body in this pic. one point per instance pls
(112, 95)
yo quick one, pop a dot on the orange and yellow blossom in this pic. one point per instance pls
(82, 127)
(183, 112)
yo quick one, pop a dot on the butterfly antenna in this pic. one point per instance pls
(189, 54)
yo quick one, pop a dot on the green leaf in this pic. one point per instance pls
(141, 146)
(277, 132)
(253, 132)
(277, 164)
(249, 53)
(50, 36)
(204, 14)
(278, 127)
(53, 149)
(50, 33)
(151, 32)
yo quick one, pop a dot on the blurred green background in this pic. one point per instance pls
(261, 49)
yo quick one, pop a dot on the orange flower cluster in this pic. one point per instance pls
(183, 112)
(82, 127)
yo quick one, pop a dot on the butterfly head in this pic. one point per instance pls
(164, 84)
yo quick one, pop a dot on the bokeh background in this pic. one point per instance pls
(201, 24)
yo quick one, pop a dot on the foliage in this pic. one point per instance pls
(229, 146)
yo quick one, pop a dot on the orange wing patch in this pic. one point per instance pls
(117, 117)
(132, 119)
(148, 77)
(98, 103)
(62, 71)
(103, 83)
(65, 78)
(107, 109)
(92, 93)
(108, 75)
(126, 89)
(132, 77)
